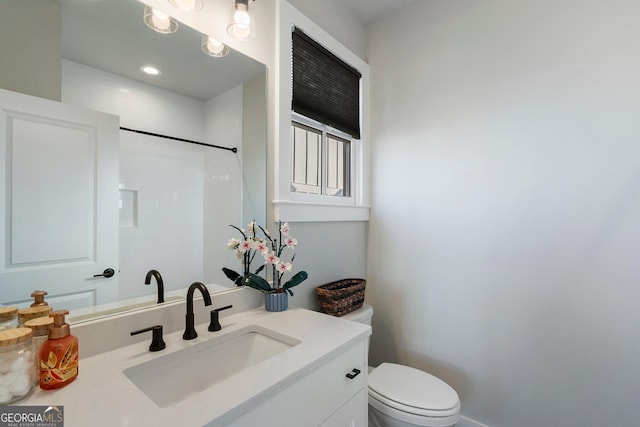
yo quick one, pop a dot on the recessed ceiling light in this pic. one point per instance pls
(153, 71)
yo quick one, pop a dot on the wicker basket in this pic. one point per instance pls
(341, 297)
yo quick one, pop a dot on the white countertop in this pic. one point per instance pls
(103, 396)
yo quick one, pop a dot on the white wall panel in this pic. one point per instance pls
(504, 236)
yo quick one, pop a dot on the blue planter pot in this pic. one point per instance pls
(276, 302)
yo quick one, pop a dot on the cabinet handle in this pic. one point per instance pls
(354, 373)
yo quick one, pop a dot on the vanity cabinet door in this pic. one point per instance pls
(352, 414)
(58, 201)
(324, 397)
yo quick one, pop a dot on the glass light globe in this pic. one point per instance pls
(159, 21)
(214, 47)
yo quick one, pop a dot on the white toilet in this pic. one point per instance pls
(400, 396)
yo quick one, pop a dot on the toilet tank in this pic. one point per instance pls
(361, 315)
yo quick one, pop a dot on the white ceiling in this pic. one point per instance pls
(372, 10)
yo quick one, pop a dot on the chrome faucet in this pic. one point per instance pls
(147, 281)
(190, 331)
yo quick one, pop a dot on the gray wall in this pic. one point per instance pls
(504, 242)
(31, 54)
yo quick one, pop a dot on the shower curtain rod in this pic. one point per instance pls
(232, 149)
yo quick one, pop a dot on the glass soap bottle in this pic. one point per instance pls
(40, 330)
(8, 318)
(17, 373)
(58, 361)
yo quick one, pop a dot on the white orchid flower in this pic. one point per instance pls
(233, 243)
(291, 242)
(284, 229)
(245, 246)
(284, 266)
(260, 247)
(271, 258)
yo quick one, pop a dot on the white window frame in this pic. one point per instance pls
(352, 170)
(293, 206)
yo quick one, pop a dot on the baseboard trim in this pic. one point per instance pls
(468, 422)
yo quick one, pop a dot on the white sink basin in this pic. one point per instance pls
(170, 379)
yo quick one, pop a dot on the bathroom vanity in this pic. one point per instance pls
(293, 368)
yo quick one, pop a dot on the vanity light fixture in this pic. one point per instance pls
(242, 22)
(159, 21)
(187, 5)
(214, 47)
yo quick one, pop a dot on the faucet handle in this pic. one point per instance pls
(214, 324)
(157, 343)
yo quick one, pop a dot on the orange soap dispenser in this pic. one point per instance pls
(59, 354)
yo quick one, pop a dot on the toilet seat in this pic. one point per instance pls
(412, 394)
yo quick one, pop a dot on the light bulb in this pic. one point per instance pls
(213, 47)
(160, 20)
(241, 17)
(241, 26)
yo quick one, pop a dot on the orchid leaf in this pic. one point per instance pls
(233, 276)
(257, 282)
(297, 278)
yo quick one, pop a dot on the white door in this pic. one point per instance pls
(58, 202)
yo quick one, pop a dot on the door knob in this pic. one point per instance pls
(109, 272)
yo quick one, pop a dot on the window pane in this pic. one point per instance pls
(338, 164)
(332, 165)
(306, 160)
(299, 155)
(313, 158)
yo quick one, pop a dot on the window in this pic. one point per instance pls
(321, 160)
(322, 127)
(326, 117)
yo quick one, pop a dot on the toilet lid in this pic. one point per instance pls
(409, 387)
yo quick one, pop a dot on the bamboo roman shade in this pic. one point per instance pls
(325, 88)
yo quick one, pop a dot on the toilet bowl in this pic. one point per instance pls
(401, 396)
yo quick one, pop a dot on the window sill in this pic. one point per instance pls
(294, 211)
